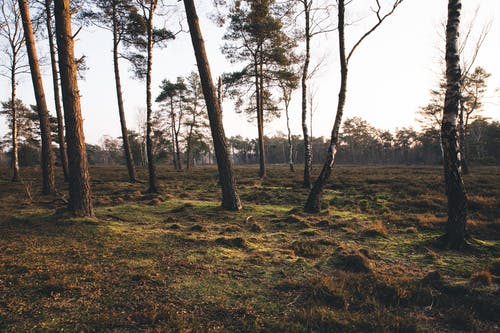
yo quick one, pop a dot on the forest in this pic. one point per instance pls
(174, 226)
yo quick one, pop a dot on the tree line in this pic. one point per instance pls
(269, 41)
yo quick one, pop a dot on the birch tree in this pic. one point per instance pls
(313, 203)
(11, 31)
(455, 234)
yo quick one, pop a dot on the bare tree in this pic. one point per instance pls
(455, 189)
(313, 203)
(12, 32)
(80, 197)
(230, 197)
(47, 160)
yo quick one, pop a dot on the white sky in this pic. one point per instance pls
(390, 74)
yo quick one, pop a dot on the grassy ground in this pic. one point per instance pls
(177, 262)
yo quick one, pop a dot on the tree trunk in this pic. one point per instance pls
(290, 145)
(305, 70)
(455, 189)
(80, 200)
(153, 187)
(57, 94)
(189, 143)
(313, 204)
(121, 110)
(230, 197)
(47, 160)
(15, 150)
(463, 157)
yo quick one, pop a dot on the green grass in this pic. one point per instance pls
(178, 262)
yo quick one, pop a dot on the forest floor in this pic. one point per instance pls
(177, 262)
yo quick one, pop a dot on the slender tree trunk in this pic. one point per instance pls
(121, 110)
(305, 73)
(313, 204)
(153, 187)
(172, 133)
(47, 160)
(177, 130)
(290, 144)
(57, 94)
(463, 157)
(230, 197)
(189, 143)
(80, 199)
(15, 150)
(455, 189)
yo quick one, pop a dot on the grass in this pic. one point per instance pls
(177, 262)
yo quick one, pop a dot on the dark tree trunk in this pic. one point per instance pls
(57, 94)
(305, 73)
(153, 186)
(121, 110)
(47, 160)
(15, 150)
(463, 149)
(313, 204)
(80, 199)
(189, 143)
(230, 197)
(290, 144)
(455, 189)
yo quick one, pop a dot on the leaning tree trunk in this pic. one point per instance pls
(47, 160)
(80, 198)
(121, 110)
(305, 72)
(230, 197)
(153, 187)
(455, 190)
(313, 204)
(57, 94)
(290, 143)
(15, 149)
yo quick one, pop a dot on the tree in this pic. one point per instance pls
(174, 92)
(143, 37)
(114, 15)
(454, 236)
(57, 94)
(288, 82)
(230, 197)
(196, 118)
(313, 201)
(11, 31)
(80, 197)
(47, 160)
(315, 18)
(255, 36)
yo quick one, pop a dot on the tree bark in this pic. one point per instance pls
(455, 234)
(305, 72)
(189, 142)
(47, 160)
(313, 203)
(290, 144)
(57, 94)
(230, 197)
(15, 150)
(80, 198)
(153, 186)
(132, 175)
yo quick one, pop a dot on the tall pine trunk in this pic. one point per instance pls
(80, 198)
(57, 94)
(47, 160)
(305, 73)
(230, 197)
(290, 144)
(313, 204)
(455, 189)
(127, 151)
(153, 186)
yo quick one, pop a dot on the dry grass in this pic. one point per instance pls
(177, 262)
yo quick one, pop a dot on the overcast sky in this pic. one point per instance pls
(390, 75)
